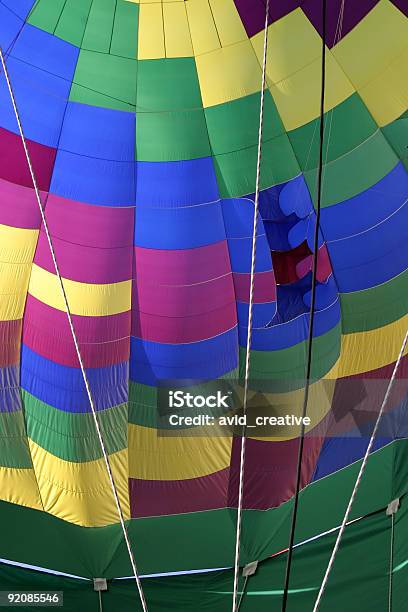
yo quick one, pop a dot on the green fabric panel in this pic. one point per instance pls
(235, 125)
(236, 171)
(286, 368)
(168, 84)
(99, 27)
(343, 178)
(171, 136)
(46, 13)
(125, 30)
(14, 451)
(346, 126)
(196, 540)
(375, 307)
(72, 23)
(397, 135)
(400, 564)
(72, 436)
(358, 581)
(105, 80)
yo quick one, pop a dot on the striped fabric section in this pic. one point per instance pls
(142, 124)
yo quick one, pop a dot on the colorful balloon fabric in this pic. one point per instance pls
(142, 120)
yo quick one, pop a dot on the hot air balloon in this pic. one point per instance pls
(203, 216)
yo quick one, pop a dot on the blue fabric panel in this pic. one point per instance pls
(240, 252)
(152, 362)
(239, 218)
(179, 228)
(177, 183)
(10, 399)
(290, 299)
(325, 294)
(96, 181)
(47, 52)
(368, 208)
(63, 387)
(41, 98)
(304, 230)
(295, 198)
(19, 7)
(372, 257)
(338, 452)
(10, 25)
(99, 132)
(292, 332)
(262, 314)
(277, 232)
(238, 214)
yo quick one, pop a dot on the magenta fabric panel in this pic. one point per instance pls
(103, 341)
(149, 296)
(13, 162)
(270, 470)
(86, 264)
(264, 287)
(183, 267)
(183, 329)
(88, 224)
(10, 334)
(160, 497)
(19, 206)
(323, 265)
(182, 296)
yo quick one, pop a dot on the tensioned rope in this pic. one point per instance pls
(311, 316)
(75, 340)
(359, 477)
(235, 603)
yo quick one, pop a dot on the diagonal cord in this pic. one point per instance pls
(311, 316)
(359, 477)
(74, 337)
(235, 604)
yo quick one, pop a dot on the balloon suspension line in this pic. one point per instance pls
(75, 339)
(235, 603)
(311, 316)
(359, 476)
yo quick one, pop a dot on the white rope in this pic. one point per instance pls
(235, 604)
(359, 477)
(74, 337)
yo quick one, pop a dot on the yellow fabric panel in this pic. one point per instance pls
(17, 248)
(151, 32)
(17, 245)
(280, 404)
(202, 27)
(183, 455)
(365, 351)
(19, 486)
(373, 44)
(293, 43)
(305, 86)
(228, 22)
(81, 492)
(228, 73)
(176, 30)
(86, 299)
(386, 96)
